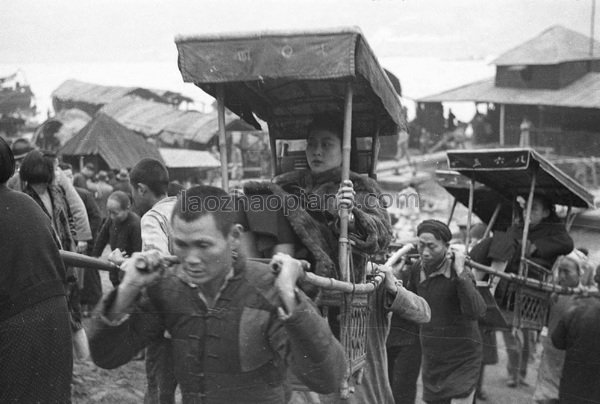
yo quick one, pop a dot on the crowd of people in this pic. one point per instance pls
(215, 321)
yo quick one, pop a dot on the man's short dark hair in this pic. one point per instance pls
(36, 168)
(202, 200)
(7, 161)
(151, 173)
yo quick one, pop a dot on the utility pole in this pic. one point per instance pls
(592, 28)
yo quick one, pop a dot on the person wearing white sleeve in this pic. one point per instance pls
(149, 181)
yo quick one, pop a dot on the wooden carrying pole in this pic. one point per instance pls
(222, 137)
(349, 287)
(533, 283)
(340, 286)
(346, 146)
(83, 261)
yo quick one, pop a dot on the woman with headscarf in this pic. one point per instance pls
(35, 339)
(569, 269)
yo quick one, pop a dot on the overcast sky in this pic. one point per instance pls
(143, 30)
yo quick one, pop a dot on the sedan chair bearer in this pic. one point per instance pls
(451, 342)
(236, 326)
(311, 231)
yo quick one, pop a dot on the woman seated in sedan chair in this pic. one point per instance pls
(309, 226)
(310, 230)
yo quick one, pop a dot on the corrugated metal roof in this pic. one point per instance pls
(117, 145)
(168, 94)
(143, 116)
(96, 94)
(187, 125)
(556, 44)
(185, 158)
(200, 128)
(583, 93)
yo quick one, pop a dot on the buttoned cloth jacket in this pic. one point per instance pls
(451, 342)
(235, 352)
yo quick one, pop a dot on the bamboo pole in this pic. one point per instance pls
(275, 168)
(522, 264)
(533, 283)
(341, 286)
(502, 123)
(470, 213)
(452, 211)
(346, 146)
(592, 28)
(526, 224)
(222, 137)
(375, 146)
(492, 221)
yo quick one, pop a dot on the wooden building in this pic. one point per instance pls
(553, 80)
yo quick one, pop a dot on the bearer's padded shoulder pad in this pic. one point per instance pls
(262, 278)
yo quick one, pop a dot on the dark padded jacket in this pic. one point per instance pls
(30, 267)
(236, 352)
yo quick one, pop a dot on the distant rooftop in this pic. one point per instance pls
(555, 45)
(583, 93)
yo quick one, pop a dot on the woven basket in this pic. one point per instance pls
(532, 304)
(355, 310)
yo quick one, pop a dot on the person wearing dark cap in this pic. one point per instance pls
(35, 329)
(451, 342)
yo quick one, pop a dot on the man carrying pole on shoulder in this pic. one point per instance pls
(236, 326)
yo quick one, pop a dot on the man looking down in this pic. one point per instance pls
(450, 342)
(236, 326)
